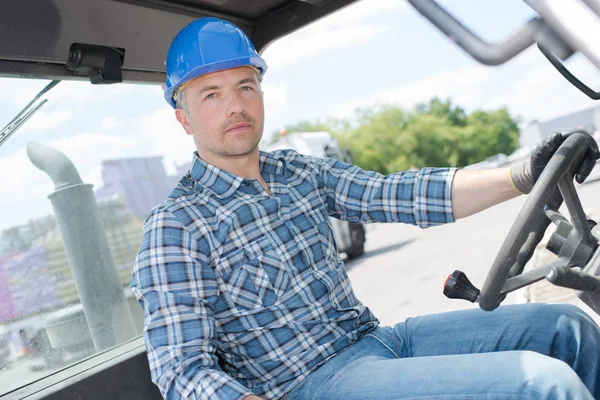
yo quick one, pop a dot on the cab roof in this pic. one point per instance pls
(38, 35)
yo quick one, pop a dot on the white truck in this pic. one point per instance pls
(350, 238)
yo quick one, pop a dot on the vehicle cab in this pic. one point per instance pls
(81, 172)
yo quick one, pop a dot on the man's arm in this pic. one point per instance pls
(475, 190)
(418, 197)
(433, 196)
(177, 291)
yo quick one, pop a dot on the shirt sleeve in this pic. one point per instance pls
(177, 289)
(421, 197)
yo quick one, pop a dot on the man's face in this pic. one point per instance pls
(224, 112)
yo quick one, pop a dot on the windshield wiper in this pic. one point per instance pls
(25, 114)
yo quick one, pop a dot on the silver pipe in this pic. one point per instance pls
(108, 316)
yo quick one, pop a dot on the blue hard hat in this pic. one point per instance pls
(207, 45)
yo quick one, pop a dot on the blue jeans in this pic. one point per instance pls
(528, 351)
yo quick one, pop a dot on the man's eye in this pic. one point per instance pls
(247, 88)
(211, 96)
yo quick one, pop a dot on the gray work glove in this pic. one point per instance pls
(526, 174)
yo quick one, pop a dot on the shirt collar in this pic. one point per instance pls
(272, 163)
(223, 183)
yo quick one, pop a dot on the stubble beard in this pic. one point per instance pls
(241, 147)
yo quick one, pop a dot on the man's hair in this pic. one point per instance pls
(180, 102)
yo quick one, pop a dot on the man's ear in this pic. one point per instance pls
(182, 117)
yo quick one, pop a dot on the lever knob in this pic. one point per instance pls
(458, 286)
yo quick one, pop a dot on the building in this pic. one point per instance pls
(141, 183)
(535, 131)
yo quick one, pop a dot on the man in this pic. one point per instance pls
(245, 295)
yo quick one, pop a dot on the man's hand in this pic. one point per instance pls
(526, 174)
(252, 397)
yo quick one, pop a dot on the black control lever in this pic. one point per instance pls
(458, 286)
(573, 279)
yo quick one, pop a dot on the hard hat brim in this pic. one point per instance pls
(250, 61)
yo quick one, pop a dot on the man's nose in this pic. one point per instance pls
(235, 104)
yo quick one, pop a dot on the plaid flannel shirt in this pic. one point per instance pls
(244, 292)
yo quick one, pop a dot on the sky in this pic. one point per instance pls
(373, 52)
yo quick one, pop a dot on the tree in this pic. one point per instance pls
(388, 138)
(487, 133)
(454, 115)
(376, 137)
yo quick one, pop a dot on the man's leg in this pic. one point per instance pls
(469, 355)
(562, 331)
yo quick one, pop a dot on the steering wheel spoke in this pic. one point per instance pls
(578, 217)
(526, 252)
(556, 217)
(529, 277)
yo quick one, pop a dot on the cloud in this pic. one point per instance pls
(347, 27)
(41, 121)
(26, 190)
(159, 133)
(86, 149)
(19, 92)
(275, 101)
(110, 123)
(154, 133)
(540, 92)
(93, 176)
(298, 48)
(462, 85)
(363, 10)
(77, 94)
(529, 86)
(275, 94)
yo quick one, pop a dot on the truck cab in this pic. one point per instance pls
(70, 327)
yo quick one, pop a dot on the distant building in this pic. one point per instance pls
(142, 183)
(535, 131)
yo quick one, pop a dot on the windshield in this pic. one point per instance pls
(133, 159)
(81, 174)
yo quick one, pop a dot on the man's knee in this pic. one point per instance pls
(556, 314)
(548, 378)
(570, 321)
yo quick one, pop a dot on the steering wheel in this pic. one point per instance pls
(572, 240)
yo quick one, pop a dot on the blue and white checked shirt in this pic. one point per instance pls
(246, 293)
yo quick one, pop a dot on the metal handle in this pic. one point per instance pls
(567, 74)
(485, 53)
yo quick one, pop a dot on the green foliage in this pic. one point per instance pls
(435, 134)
